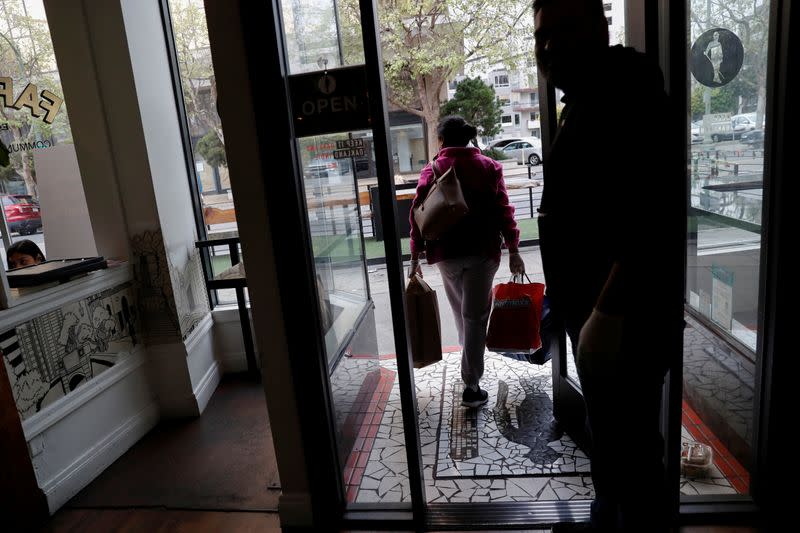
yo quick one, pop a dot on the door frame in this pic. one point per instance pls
(294, 269)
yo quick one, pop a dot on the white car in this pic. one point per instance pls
(526, 150)
(742, 123)
(499, 144)
(696, 137)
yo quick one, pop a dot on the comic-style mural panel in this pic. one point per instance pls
(57, 352)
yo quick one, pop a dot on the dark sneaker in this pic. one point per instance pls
(472, 398)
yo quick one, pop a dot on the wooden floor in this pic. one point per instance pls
(221, 461)
(157, 520)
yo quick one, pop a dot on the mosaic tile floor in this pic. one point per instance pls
(720, 384)
(513, 435)
(505, 451)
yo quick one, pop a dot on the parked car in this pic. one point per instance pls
(696, 137)
(22, 213)
(499, 144)
(526, 150)
(746, 122)
(754, 138)
(327, 171)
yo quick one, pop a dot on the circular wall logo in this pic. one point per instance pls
(717, 57)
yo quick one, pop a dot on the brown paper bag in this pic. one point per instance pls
(424, 326)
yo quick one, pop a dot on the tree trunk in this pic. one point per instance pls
(27, 169)
(431, 121)
(762, 102)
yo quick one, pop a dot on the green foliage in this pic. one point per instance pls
(494, 154)
(27, 56)
(211, 149)
(197, 76)
(723, 100)
(477, 103)
(425, 43)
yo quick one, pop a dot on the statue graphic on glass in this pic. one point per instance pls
(714, 54)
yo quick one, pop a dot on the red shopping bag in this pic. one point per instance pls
(516, 318)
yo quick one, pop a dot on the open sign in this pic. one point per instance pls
(330, 101)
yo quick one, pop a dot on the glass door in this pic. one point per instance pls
(335, 79)
(729, 51)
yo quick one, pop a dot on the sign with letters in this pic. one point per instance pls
(41, 104)
(330, 101)
(349, 148)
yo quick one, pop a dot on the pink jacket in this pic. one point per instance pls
(490, 215)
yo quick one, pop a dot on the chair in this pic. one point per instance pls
(233, 278)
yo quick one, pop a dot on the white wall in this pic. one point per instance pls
(80, 437)
(65, 216)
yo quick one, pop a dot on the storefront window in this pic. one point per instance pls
(199, 87)
(728, 64)
(40, 182)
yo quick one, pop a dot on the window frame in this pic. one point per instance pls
(186, 141)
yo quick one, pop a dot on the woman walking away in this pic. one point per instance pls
(468, 255)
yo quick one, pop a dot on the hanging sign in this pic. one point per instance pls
(717, 57)
(330, 101)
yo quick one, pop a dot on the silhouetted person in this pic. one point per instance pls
(23, 253)
(611, 229)
(468, 255)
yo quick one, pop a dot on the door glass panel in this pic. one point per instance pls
(728, 64)
(333, 215)
(322, 34)
(341, 204)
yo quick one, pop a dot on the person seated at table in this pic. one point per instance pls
(24, 253)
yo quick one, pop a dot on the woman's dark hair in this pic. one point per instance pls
(453, 130)
(26, 247)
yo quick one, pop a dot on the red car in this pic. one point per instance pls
(22, 213)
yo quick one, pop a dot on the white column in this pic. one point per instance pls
(403, 151)
(112, 57)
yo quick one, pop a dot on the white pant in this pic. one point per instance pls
(468, 285)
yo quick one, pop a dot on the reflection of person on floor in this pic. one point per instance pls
(534, 418)
(613, 278)
(468, 256)
(24, 253)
